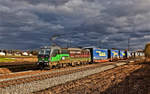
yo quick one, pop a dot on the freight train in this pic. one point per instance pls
(55, 56)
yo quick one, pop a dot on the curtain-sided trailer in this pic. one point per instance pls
(100, 55)
(122, 54)
(104, 55)
(114, 55)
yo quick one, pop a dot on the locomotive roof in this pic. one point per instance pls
(50, 47)
(74, 49)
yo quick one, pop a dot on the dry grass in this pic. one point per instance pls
(4, 71)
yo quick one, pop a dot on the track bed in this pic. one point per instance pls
(33, 82)
(127, 79)
(101, 78)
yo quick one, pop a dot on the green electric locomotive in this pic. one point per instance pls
(55, 56)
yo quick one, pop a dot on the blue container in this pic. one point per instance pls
(100, 54)
(122, 54)
(114, 53)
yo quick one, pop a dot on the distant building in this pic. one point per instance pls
(2, 54)
(140, 50)
(17, 54)
(25, 54)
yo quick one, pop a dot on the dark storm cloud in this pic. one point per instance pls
(30, 23)
(54, 2)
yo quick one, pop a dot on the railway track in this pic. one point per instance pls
(93, 84)
(41, 80)
(38, 72)
(28, 74)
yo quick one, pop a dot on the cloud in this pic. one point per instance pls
(31, 23)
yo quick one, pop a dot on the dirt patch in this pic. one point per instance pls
(4, 71)
(137, 83)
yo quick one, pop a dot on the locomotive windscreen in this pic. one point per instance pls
(44, 52)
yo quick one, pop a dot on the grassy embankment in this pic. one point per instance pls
(7, 59)
(18, 58)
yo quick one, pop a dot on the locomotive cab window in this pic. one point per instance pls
(44, 52)
(55, 52)
(47, 51)
(41, 52)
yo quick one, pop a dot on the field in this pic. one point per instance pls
(17, 56)
(7, 59)
(19, 63)
(18, 59)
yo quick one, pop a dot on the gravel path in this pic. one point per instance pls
(28, 88)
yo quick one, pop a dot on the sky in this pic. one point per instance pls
(30, 24)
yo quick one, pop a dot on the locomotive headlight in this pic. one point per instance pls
(63, 58)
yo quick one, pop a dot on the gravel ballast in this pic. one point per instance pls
(48, 72)
(28, 88)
